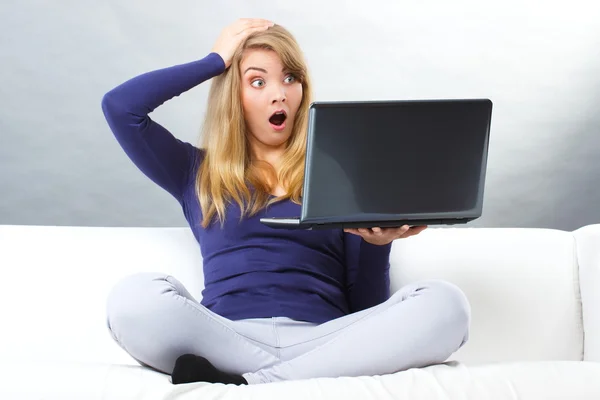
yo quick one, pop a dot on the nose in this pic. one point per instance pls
(278, 95)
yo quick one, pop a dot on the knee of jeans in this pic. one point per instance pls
(454, 308)
(134, 298)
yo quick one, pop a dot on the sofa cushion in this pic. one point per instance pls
(450, 381)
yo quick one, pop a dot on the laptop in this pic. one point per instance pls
(393, 163)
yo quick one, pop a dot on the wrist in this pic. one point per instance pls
(219, 59)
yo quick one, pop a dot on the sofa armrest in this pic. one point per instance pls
(588, 257)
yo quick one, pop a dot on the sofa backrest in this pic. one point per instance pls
(522, 284)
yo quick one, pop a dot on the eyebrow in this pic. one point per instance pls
(256, 69)
(260, 69)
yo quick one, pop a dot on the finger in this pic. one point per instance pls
(408, 234)
(266, 22)
(248, 24)
(257, 22)
(377, 231)
(401, 230)
(256, 29)
(249, 31)
(415, 230)
(248, 20)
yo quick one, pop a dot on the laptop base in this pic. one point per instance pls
(294, 223)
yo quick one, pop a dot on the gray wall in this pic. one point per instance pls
(538, 61)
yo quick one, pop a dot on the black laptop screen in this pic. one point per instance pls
(396, 158)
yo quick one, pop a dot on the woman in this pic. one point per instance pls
(277, 304)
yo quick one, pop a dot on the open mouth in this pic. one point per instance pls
(278, 118)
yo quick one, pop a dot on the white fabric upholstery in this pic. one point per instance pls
(527, 333)
(550, 380)
(588, 254)
(521, 283)
(59, 278)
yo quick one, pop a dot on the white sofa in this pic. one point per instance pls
(533, 292)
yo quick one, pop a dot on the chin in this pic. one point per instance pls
(277, 141)
(274, 139)
(269, 137)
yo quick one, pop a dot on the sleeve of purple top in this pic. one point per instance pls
(367, 272)
(163, 158)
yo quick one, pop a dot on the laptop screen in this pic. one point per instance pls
(377, 159)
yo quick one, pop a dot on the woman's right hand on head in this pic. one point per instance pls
(233, 35)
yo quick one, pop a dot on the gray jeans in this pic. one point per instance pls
(154, 319)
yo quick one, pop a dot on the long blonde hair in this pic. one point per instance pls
(228, 167)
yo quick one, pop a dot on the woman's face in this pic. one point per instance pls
(268, 91)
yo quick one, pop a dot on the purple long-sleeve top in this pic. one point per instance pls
(250, 270)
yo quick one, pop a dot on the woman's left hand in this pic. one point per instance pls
(383, 236)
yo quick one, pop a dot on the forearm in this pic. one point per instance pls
(370, 283)
(144, 93)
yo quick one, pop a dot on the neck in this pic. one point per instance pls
(265, 153)
(270, 155)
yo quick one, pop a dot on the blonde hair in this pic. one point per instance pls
(228, 167)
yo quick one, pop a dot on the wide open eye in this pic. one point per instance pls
(257, 83)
